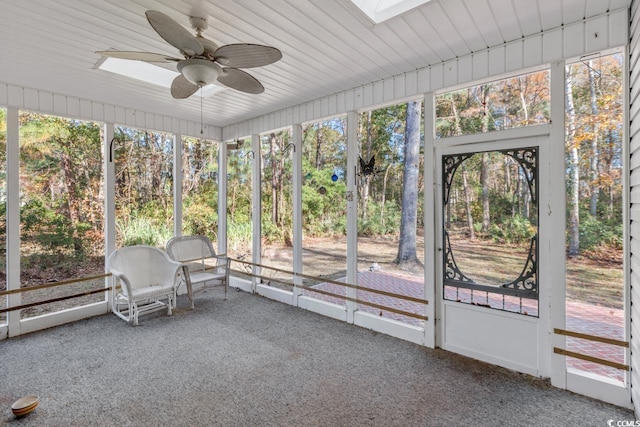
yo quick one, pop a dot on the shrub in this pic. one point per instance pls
(271, 232)
(45, 226)
(200, 219)
(515, 229)
(239, 235)
(594, 233)
(380, 221)
(142, 231)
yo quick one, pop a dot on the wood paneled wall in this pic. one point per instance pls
(588, 36)
(68, 106)
(634, 201)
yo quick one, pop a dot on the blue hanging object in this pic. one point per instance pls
(334, 177)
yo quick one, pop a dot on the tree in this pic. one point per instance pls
(467, 201)
(595, 185)
(595, 129)
(573, 182)
(65, 156)
(483, 166)
(408, 220)
(324, 159)
(365, 180)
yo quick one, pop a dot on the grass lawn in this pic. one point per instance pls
(594, 277)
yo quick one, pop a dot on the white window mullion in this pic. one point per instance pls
(222, 198)
(552, 252)
(177, 184)
(297, 209)
(256, 207)
(430, 205)
(13, 218)
(352, 211)
(109, 148)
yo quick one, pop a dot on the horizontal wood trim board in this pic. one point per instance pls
(591, 337)
(54, 284)
(333, 282)
(343, 297)
(591, 359)
(49, 301)
(370, 304)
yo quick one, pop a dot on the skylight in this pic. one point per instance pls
(147, 72)
(381, 10)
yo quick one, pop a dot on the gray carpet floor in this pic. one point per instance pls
(249, 361)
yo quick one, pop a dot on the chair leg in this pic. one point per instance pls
(133, 313)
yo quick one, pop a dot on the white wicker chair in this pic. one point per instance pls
(147, 277)
(200, 263)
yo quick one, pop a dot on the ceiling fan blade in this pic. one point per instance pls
(245, 55)
(209, 47)
(137, 56)
(174, 33)
(240, 80)
(182, 88)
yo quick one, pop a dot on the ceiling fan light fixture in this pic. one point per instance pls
(202, 66)
(200, 72)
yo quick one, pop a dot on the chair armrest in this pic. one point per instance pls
(172, 269)
(124, 280)
(223, 259)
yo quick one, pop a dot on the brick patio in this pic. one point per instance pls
(581, 317)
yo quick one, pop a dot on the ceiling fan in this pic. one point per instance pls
(203, 61)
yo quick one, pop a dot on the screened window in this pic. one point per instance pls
(490, 217)
(390, 211)
(595, 187)
(239, 227)
(503, 104)
(144, 187)
(200, 187)
(277, 206)
(61, 210)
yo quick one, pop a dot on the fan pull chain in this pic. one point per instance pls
(201, 126)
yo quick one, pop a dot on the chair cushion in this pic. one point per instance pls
(199, 279)
(205, 276)
(152, 291)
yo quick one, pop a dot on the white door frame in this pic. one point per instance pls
(532, 333)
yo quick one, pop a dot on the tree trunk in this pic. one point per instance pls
(384, 194)
(611, 144)
(69, 178)
(507, 176)
(523, 101)
(409, 216)
(365, 180)
(456, 117)
(595, 185)
(187, 179)
(274, 178)
(483, 167)
(318, 145)
(467, 202)
(525, 195)
(485, 192)
(573, 181)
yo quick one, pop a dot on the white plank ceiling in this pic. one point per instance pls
(328, 46)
